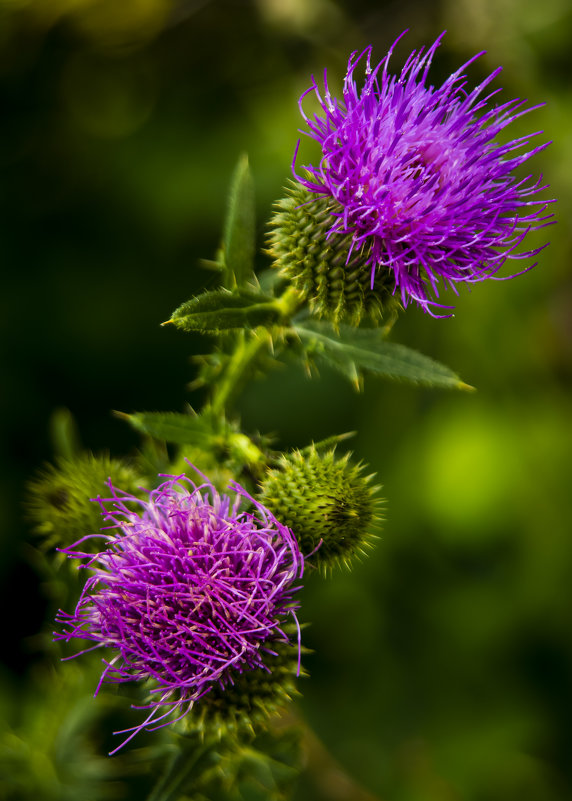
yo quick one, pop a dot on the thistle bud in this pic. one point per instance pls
(326, 267)
(59, 502)
(327, 502)
(245, 705)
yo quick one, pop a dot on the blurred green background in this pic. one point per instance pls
(443, 664)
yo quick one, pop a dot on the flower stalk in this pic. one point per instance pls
(247, 347)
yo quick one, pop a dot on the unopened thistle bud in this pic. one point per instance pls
(324, 266)
(254, 696)
(59, 498)
(327, 502)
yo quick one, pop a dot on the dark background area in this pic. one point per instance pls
(442, 665)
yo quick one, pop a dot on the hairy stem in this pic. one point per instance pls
(248, 346)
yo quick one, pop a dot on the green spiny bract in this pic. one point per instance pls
(337, 288)
(245, 706)
(59, 500)
(327, 502)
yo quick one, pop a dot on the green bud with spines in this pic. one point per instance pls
(329, 504)
(336, 287)
(59, 501)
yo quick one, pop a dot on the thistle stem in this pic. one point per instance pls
(248, 345)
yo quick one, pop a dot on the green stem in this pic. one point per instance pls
(248, 346)
(289, 302)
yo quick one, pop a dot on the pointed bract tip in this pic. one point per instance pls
(120, 415)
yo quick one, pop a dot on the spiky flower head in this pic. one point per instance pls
(190, 593)
(58, 499)
(417, 187)
(328, 503)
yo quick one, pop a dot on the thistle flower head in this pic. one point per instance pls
(190, 593)
(416, 179)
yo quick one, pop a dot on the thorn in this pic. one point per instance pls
(167, 322)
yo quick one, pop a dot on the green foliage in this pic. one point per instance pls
(47, 751)
(239, 304)
(181, 429)
(353, 350)
(208, 441)
(239, 240)
(220, 310)
(264, 770)
(64, 434)
(261, 768)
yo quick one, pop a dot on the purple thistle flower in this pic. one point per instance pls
(421, 183)
(190, 592)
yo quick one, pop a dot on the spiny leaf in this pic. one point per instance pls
(180, 429)
(239, 231)
(355, 349)
(221, 310)
(328, 443)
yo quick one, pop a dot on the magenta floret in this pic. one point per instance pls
(189, 592)
(419, 176)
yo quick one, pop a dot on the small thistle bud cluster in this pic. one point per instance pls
(328, 503)
(324, 266)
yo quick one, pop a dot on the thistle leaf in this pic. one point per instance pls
(179, 429)
(240, 229)
(353, 350)
(220, 310)
(327, 444)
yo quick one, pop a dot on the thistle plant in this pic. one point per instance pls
(194, 551)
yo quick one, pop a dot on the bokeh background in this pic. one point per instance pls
(442, 666)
